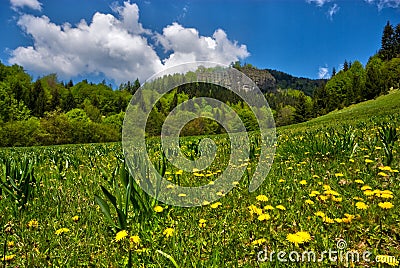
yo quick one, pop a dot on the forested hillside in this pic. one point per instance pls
(48, 111)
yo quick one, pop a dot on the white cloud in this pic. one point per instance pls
(319, 3)
(323, 73)
(333, 10)
(117, 47)
(33, 4)
(384, 3)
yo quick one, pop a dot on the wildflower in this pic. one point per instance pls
(62, 230)
(319, 214)
(338, 220)
(383, 174)
(269, 207)
(323, 197)
(170, 186)
(368, 192)
(205, 203)
(220, 193)
(158, 209)
(305, 235)
(280, 207)
(216, 205)
(315, 176)
(281, 180)
(337, 199)
(262, 198)
(331, 192)
(33, 224)
(259, 241)
(359, 181)
(310, 202)
(121, 235)
(298, 238)
(181, 195)
(385, 205)
(202, 223)
(254, 210)
(327, 220)
(361, 205)
(303, 182)
(385, 168)
(135, 239)
(339, 175)
(8, 257)
(366, 187)
(264, 217)
(351, 160)
(75, 218)
(168, 232)
(326, 187)
(368, 161)
(10, 244)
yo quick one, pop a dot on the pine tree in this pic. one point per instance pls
(387, 51)
(345, 66)
(397, 41)
(333, 72)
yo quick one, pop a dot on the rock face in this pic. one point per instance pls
(263, 78)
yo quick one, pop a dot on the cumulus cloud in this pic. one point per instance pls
(385, 3)
(33, 4)
(323, 73)
(319, 3)
(333, 10)
(118, 47)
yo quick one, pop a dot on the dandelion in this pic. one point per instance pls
(168, 232)
(298, 238)
(339, 175)
(205, 203)
(62, 230)
(220, 193)
(75, 218)
(323, 197)
(368, 161)
(181, 195)
(385, 168)
(259, 241)
(361, 205)
(269, 207)
(315, 176)
(264, 217)
(366, 187)
(10, 244)
(338, 220)
(386, 205)
(33, 224)
(254, 210)
(262, 198)
(158, 209)
(121, 235)
(216, 205)
(337, 199)
(8, 257)
(310, 202)
(359, 181)
(281, 180)
(305, 235)
(319, 214)
(368, 192)
(170, 186)
(202, 223)
(303, 182)
(328, 220)
(383, 174)
(280, 207)
(135, 239)
(351, 160)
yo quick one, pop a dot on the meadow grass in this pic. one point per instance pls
(330, 181)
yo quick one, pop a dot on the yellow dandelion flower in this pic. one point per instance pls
(385, 205)
(33, 224)
(304, 235)
(205, 203)
(202, 223)
(280, 207)
(326, 187)
(75, 218)
(254, 210)
(216, 205)
(351, 160)
(361, 205)
(386, 196)
(339, 174)
(315, 193)
(10, 244)
(310, 202)
(315, 176)
(259, 241)
(170, 186)
(235, 183)
(281, 180)
(383, 174)
(323, 197)
(319, 214)
(211, 183)
(359, 181)
(158, 209)
(8, 257)
(368, 161)
(366, 187)
(179, 172)
(337, 199)
(262, 198)
(328, 220)
(264, 217)
(269, 207)
(303, 182)
(331, 192)
(220, 193)
(385, 168)
(121, 235)
(368, 192)
(168, 232)
(181, 195)
(338, 220)
(135, 239)
(62, 230)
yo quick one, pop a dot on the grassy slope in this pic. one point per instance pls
(382, 106)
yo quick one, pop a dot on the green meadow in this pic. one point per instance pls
(334, 179)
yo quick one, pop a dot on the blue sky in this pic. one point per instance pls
(119, 41)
